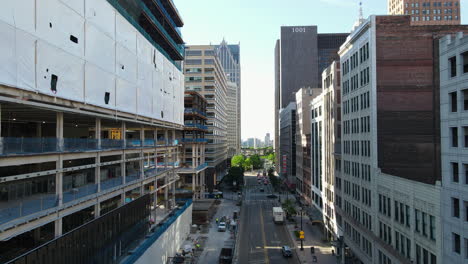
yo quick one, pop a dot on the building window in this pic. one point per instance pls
(456, 243)
(453, 101)
(465, 99)
(465, 166)
(432, 227)
(465, 61)
(465, 136)
(453, 66)
(456, 207)
(424, 223)
(455, 177)
(416, 220)
(454, 134)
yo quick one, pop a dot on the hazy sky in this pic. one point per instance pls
(255, 24)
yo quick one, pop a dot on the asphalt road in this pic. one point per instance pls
(260, 238)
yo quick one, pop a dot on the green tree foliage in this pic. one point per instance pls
(256, 161)
(236, 174)
(248, 163)
(271, 157)
(288, 207)
(238, 161)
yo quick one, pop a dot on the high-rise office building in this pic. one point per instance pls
(90, 112)
(389, 185)
(427, 12)
(301, 54)
(287, 147)
(267, 140)
(454, 140)
(205, 74)
(229, 55)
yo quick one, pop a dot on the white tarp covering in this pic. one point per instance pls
(102, 15)
(75, 5)
(126, 66)
(144, 50)
(25, 58)
(145, 89)
(68, 69)
(61, 26)
(126, 33)
(83, 50)
(97, 83)
(100, 48)
(7, 55)
(18, 13)
(125, 97)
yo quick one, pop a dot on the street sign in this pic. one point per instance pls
(301, 234)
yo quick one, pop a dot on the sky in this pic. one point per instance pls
(255, 24)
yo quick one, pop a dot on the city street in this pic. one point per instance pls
(260, 238)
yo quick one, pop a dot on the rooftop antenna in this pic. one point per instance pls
(361, 16)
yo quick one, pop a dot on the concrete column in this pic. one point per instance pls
(194, 179)
(123, 166)
(193, 156)
(122, 199)
(98, 132)
(97, 172)
(166, 193)
(155, 194)
(166, 136)
(142, 138)
(97, 210)
(38, 129)
(124, 134)
(59, 180)
(173, 191)
(59, 130)
(58, 227)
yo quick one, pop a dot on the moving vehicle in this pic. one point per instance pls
(278, 215)
(262, 190)
(222, 227)
(286, 251)
(225, 256)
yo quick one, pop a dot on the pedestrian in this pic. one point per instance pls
(217, 220)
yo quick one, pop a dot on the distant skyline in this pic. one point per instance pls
(256, 26)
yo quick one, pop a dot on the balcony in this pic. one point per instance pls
(27, 207)
(29, 146)
(194, 111)
(190, 169)
(196, 126)
(193, 140)
(79, 192)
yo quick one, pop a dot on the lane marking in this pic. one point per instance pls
(265, 251)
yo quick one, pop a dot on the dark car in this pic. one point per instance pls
(262, 190)
(286, 251)
(272, 196)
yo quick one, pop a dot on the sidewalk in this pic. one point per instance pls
(312, 238)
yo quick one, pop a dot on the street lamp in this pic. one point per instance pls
(302, 233)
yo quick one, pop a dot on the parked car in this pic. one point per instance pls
(286, 251)
(262, 190)
(222, 227)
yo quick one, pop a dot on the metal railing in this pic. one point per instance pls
(193, 140)
(197, 126)
(194, 110)
(79, 192)
(24, 146)
(27, 207)
(111, 183)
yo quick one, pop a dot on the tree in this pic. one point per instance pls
(256, 161)
(248, 163)
(238, 161)
(271, 157)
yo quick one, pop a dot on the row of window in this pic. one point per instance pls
(452, 64)
(454, 136)
(428, 11)
(403, 244)
(352, 168)
(424, 256)
(189, 52)
(364, 52)
(428, 4)
(354, 104)
(456, 245)
(385, 233)
(456, 208)
(353, 61)
(364, 76)
(361, 241)
(354, 148)
(401, 213)
(454, 101)
(456, 173)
